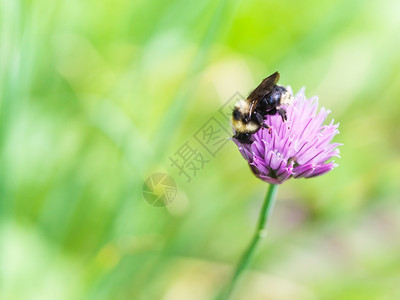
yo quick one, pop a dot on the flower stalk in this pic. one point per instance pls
(258, 235)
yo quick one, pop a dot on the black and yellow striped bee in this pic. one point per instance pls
(267, 99)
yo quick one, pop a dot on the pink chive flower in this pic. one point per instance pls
(299, 147)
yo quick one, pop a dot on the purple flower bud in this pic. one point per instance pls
(299, 147)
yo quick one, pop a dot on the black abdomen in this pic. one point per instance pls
(271, 100)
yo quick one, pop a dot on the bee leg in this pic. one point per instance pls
(258, 117)
(271, 112)
(282, 113)
(267, 127)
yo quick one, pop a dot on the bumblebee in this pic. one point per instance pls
(267, 99)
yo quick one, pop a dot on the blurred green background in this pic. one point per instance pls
(98, 95)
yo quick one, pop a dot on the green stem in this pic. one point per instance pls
(259, 234)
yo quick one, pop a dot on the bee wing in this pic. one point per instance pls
(263, 89)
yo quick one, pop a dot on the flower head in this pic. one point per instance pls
(300, 147)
